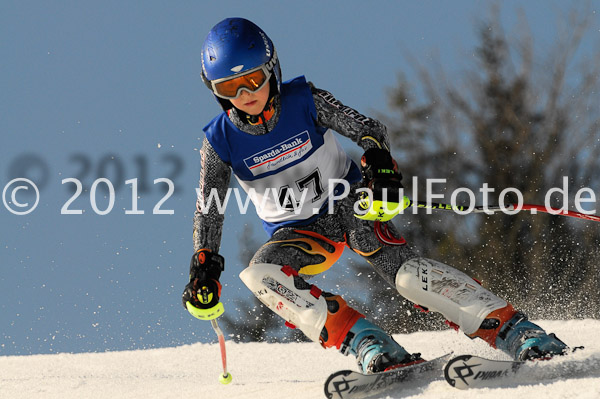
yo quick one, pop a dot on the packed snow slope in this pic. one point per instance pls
(278, 371)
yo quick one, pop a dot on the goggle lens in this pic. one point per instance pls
(252, 81)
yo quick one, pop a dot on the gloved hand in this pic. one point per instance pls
(201, 295)
(379, 170)
(380, 174)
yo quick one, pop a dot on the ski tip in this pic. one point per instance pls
(329, 391)
(470, 371)
(449, 366)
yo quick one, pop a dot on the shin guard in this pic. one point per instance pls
(441, 288)
(281, 290)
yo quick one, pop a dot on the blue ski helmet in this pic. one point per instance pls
(233, 47)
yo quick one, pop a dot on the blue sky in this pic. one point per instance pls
(112, 89)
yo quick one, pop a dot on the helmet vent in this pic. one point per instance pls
(211, 54)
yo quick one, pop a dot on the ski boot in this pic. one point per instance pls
(525, 340)
(376, 350)
(350, 332)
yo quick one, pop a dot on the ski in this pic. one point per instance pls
(467, 371)
(348, 384)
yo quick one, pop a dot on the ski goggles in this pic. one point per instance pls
(231, 88)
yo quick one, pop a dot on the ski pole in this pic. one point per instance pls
(512, 207)
(224, 378)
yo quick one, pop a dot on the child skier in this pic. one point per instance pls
(277, 138)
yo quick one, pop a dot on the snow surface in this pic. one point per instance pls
(265, 371)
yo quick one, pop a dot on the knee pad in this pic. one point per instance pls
(443, 289)
(276, 287)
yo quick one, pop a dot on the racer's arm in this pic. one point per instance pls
(202, 293)
(214, 178)
(331, 113)
(379, 170)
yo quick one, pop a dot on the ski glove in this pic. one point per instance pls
(381, 176)
(201, 295)
(378, 167)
